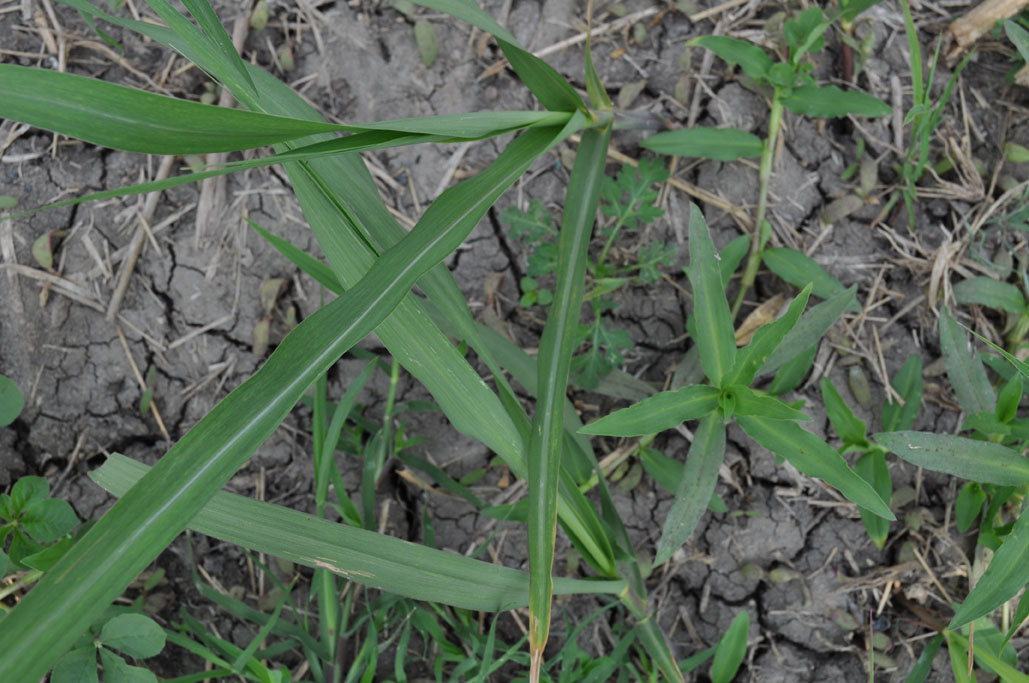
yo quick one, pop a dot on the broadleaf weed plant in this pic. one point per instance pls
(373, 264)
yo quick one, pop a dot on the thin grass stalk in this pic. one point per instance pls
(556, 348)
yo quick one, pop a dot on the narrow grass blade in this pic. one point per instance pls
(125, 118)
(721, 144)
(713, 322)
(695, 487)
(965, 369)
(208, 20)
(657, 413)
(981, 461)
(985, 291)
(849, 428)
(1007, 574)
(920, 671)
(732, 648)
(908, 385)
(766, 340)
(958, 643)
(814, 457)
(556, 348)
(872, 468)
(549, 87)
(368, 558)
(810, 328)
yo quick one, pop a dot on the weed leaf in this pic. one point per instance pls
(749, 402)
(812, 456)
(965, 369)
(800, 269)
(810, 328)
(715, 336)
(704, 142)
(11, 401)
(752, 59)
(982, 461)
(908, 385)
(1007, 574)
(77, 666)
(732, 647)
(985, 291)
(136, 635)
(872, 468)
(1019, 37)
(828, 101)
(849, 428)
(696, 486)
(767, 339)
(662, 411)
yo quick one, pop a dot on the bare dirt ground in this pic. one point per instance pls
(191, 301)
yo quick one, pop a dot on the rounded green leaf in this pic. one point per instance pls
(428, 45)
(77, 666)
(117, 670)
(47, 520)
(136, 635)
(704, 142)
(27, 490)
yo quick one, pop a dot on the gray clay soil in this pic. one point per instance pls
(192, 303)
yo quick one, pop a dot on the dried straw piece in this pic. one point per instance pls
(970, 27)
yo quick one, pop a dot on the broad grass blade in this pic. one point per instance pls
(752, 59)
(811, 327)
(1007, 574)
(814, 457)
(749, 402)
(375, 560)
(722, 144)
(985, 291)
(124, 118)
(556, 348)
(657, 413)
(695, 487)
(715, 336)
(799, 270)
(908, 385)
(981, 461)
(146, 520)
(829, 101)
(965, 369)
(766, 340)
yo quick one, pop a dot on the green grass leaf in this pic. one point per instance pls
(696, 486)
(657, 413)
(752, 59)
(981, 461)
(799, 269)
(828, 101)
(814, 457)
(908, 385)
(768, 337)
(808, 330)
(124, 118)
(965, 369)
(985, 291)
(371, 559)
(555, 356)
(872, 468)
(750, 402)
(705, 142)
(849, 428)
(715, 336)
(732, 648)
